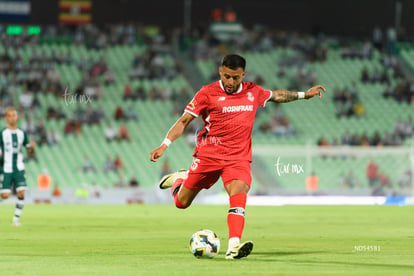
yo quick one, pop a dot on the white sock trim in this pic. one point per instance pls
(237, 211)
(233, 242)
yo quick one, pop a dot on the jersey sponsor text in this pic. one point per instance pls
(237, 108)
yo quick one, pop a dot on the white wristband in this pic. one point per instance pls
(301, 95)
(166, 142)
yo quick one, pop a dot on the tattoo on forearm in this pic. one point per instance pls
(284, 96)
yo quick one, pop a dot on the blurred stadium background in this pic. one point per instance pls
(85, 74)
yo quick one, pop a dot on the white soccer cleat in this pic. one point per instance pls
(16, 224)
(168, 180)
(240, 251)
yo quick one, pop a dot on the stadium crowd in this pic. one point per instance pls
(402, 130)
(38, 73)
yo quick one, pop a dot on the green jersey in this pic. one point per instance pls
(11, 143)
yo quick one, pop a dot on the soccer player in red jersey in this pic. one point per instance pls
(228, 109)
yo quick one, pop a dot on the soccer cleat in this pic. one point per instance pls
(168, 180)
(240, 251)
(16, 224)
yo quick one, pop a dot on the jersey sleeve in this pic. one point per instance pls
(26, 140)
(264, 95)
(1, 151)
(198, 104)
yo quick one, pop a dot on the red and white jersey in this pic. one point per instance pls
(228, 120)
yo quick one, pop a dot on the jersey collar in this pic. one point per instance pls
(238, 90)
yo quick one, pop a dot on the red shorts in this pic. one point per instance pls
(204, 172)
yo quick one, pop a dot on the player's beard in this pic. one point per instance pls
(231, 90)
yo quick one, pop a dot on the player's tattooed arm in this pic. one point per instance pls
(283, 96)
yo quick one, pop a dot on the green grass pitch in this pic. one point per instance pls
(153, 240)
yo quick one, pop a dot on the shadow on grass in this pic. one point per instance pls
(287, 253)
(264, 256)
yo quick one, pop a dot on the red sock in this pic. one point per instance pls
(176, 186)
(174, 191)
(235, 217)
(178, 203)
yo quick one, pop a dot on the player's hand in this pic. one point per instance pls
(32, 143)
(316, 90)
(157, 153)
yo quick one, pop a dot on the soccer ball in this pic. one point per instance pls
(204, 244)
